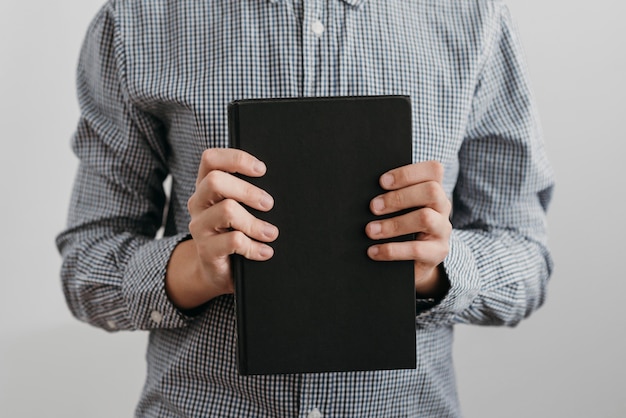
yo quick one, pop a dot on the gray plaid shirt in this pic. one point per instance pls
(154, 79)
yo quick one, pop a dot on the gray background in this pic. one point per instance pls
(567, 360)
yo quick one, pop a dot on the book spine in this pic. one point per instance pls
(242, 362)
(236, 261)
(233, 125)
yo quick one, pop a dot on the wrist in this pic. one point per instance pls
(185, 283)
(433, 284)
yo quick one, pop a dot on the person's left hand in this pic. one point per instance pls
(416, 186)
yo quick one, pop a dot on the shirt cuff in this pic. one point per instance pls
(460, 267)
(143, 287)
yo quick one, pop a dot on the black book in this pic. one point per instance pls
(321, 304)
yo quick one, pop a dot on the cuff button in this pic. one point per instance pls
(156, 316)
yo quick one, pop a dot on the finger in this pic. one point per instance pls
(423, 221)
(426, 194)
(217, 186)
(236, 242)
(230, 160)
(430, 252)
(412, 174)
(229, 215)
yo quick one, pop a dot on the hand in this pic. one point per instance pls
(199, 269)
(417, 186)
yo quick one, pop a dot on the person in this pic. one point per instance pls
(154, 80)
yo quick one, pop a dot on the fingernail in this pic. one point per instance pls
(375, 228)
(259, 167)
(269, 231)
(386, 180)
(266, 251)
(378, 204)
(266, 201)
(373, 251)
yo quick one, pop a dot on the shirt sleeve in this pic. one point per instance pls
(499, 263)
(113, 268)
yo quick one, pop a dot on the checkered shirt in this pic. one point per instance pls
(154, 79)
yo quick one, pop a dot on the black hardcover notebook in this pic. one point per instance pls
(320, 304)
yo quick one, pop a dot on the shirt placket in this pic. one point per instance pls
(313, 31)
(313, 395)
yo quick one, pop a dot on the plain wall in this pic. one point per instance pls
(565, 361)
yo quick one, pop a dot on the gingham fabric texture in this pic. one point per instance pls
(154, 80)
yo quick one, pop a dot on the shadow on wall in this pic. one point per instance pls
(72, 371)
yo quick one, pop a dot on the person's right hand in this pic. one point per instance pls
(199, 269)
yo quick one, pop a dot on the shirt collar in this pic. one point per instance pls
(354, 3)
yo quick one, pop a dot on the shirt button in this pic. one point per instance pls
(112, 325)
(315, 413)
(317, 27)
(156, 316)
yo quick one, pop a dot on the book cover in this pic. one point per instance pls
(321, 304)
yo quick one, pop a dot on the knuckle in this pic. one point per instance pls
(208, 156)
(230, 208)
(238, 241)
(432, 190)
(422, 216)
(395, 200)
(239, 159)
(212, 179)
(391, 227)
(249, 191)
(437, 169)
(417, 251)
(425, 216)
(402, 176)
(197, 230)
(193, 227)
(190, 203)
